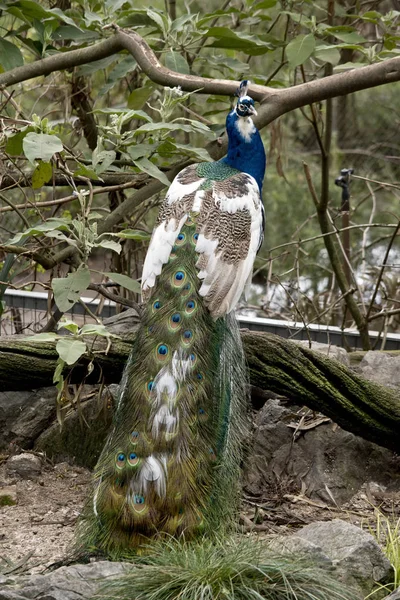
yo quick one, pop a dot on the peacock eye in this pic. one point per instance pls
(150, 385)
(190, 307)
(180, 239)
(156, 305)
(121, 459)
(162, 352)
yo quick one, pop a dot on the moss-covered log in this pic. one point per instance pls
(365, 408)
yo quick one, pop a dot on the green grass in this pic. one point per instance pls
(7, 501)
(236, 569)
(387, 535)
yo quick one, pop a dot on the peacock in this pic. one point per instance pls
(171, 463)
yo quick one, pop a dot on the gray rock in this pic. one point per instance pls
(76, 582)
(335, 352)
(123, 323)
(35, 417)
(26, 466)
(24, 415)
(394, 595)
(358, 560)
(382, 368)
(326, 462)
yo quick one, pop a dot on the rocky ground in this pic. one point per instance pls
(38, 529)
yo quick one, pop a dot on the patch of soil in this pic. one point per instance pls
(37, 531)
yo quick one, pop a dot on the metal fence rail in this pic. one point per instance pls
(27, 312)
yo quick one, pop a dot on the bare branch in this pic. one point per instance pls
(274, 102)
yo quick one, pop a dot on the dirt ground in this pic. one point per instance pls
(37, 531)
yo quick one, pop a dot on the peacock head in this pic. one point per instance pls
(245, 104)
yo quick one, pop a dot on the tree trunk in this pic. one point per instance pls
(306, 377)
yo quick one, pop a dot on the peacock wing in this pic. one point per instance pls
(226, 207)
(230, 225)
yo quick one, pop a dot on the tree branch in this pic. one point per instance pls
(274, 102)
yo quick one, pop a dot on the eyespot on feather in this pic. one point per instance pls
(156, 305)
(178, 279)
(187, 337)
(135, 436)
(121, 460)
(133, 459)
(162, 352)
(190, 307)
(180, 240)
(175, 321)
(186, 290)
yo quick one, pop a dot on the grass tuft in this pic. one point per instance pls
(236, 569)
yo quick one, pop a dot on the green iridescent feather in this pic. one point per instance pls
(200, 455)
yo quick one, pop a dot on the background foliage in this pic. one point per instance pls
(67, 135)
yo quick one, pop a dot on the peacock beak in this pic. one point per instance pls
(252, 110)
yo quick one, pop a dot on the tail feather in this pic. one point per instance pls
(171, 462)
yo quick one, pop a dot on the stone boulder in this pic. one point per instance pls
(324, 461)
(381, 367)
(76, 582)
(356, 557)
(25, 466)
(24, 415)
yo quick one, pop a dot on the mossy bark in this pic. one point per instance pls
(363, 407)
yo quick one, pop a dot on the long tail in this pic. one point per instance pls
(171, 462)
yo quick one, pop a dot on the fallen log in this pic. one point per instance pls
(306, 377)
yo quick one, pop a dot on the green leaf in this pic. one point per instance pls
(264, 4)
(328, 54)
(140, 150)
(41, 145)
(299, 49)
(49, 225)
(93, 329)
(41, 337)
(192, 128)
(67, 290)
(61, 15)
(138, 98)
(42, 174)
(102, 160)
(67, 32)
(10, 56)
(226, 38)
(144, 164)
(97, 65)
(349, 37)
(86, 172)
(33, 10)
(57, 377)
(125, 281)
(124, 67)
(169, 147)
(134, 234)
(132, 114)
(347, 66)
(156, 18)
(110, 245)
(70, 350)
(14, 143)
(68, 324)
(176, 62)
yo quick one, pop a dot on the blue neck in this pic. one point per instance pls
(246, 156)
